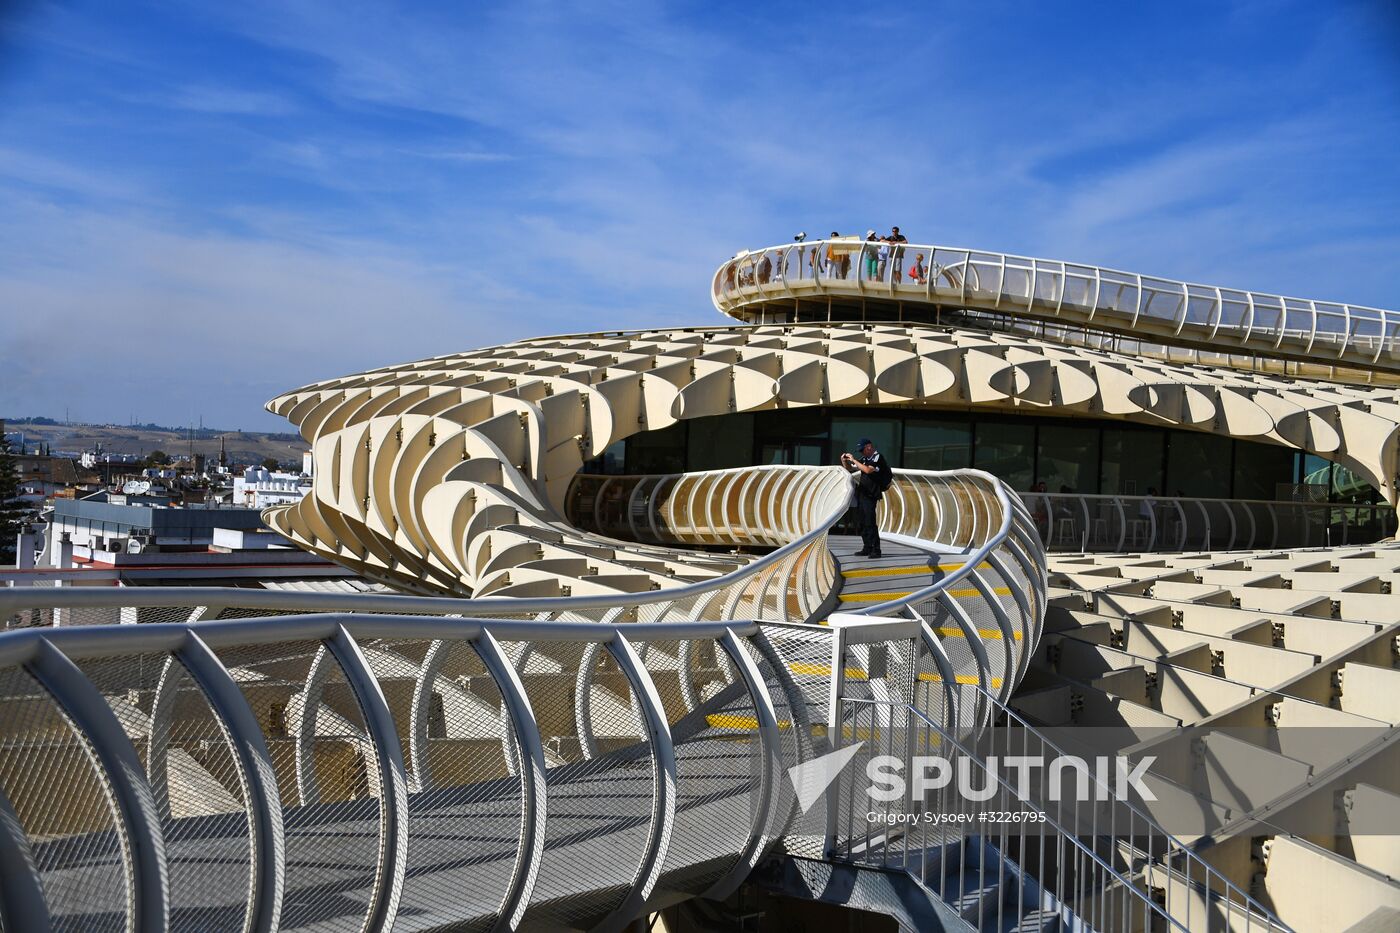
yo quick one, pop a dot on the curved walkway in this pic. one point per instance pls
(754, 286)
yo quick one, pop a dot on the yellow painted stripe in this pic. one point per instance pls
(991, 634)
(730, 721)
(820, 729)
(885, 597)
(871, 597)
(901, 571)
(971, 679)
(824, 670)
(885, 571)
(972, 591)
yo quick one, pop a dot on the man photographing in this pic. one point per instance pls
(875, 477)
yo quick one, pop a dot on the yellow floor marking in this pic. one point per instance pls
(991, 634)
(871, 597)
(900, 571)
(885, 597)
(885, 571)
(730, 721)
(971, 679)
(824, 670)
(972, 591)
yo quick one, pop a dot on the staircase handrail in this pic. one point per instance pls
(1049, 820)
(1177, 847)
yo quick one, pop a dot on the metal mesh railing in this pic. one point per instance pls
(965, 515)
(340, 769)
(72, 834)
(1047, 288)
(1071, 522)
(347, 721)
(333, 770)
(1003, 853)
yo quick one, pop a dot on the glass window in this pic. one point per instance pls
(660, 451)
(885, 432)
(719, 442)
(1006, 450)
(933, 445)
(1260, 468)
(796, 452)
(1068, 458)
(610, 461)
(1198, 465)
(1132, 461)
(1349, 487)
(1317, 473)
(787, 423)
(791, 435)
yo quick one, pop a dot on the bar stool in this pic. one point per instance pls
(1138, 532)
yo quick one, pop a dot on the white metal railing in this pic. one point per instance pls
(795, 507)
(984, 611)
(341, 770)
(1009, 857)
(1261, 323)
(1082, 334)
(1079, 522)
(783, 677)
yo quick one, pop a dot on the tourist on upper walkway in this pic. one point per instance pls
(871, 255)
(832, 266)
(897, 242)
(875, 477)
(917, 273)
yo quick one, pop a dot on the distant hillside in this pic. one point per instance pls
(242, 446)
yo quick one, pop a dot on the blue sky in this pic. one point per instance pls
(202, 205)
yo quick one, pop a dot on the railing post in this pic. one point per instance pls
(393, 782)
(533, 789)
(138, 820)
(267, 862)
(769, 769)
(664, 801)
(836, 686)
(22, 905)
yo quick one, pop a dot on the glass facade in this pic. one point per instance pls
(1131, 460)
(798, 436)
(719, 442)
(1260, 469)
(937, 445)
(662, 451)
(1067, 458)
(1005, 449)
(887, 433)
(1198, 465)
(1081, 455)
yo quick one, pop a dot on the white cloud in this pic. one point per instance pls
(106, 313)
(215, 99)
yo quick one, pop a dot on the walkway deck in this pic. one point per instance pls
(901, 570)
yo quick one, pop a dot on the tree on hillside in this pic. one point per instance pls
(158, 458)
(271, 463)
(13, 510)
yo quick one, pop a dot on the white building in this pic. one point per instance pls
(259, 488)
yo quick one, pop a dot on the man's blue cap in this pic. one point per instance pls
(860, 445)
